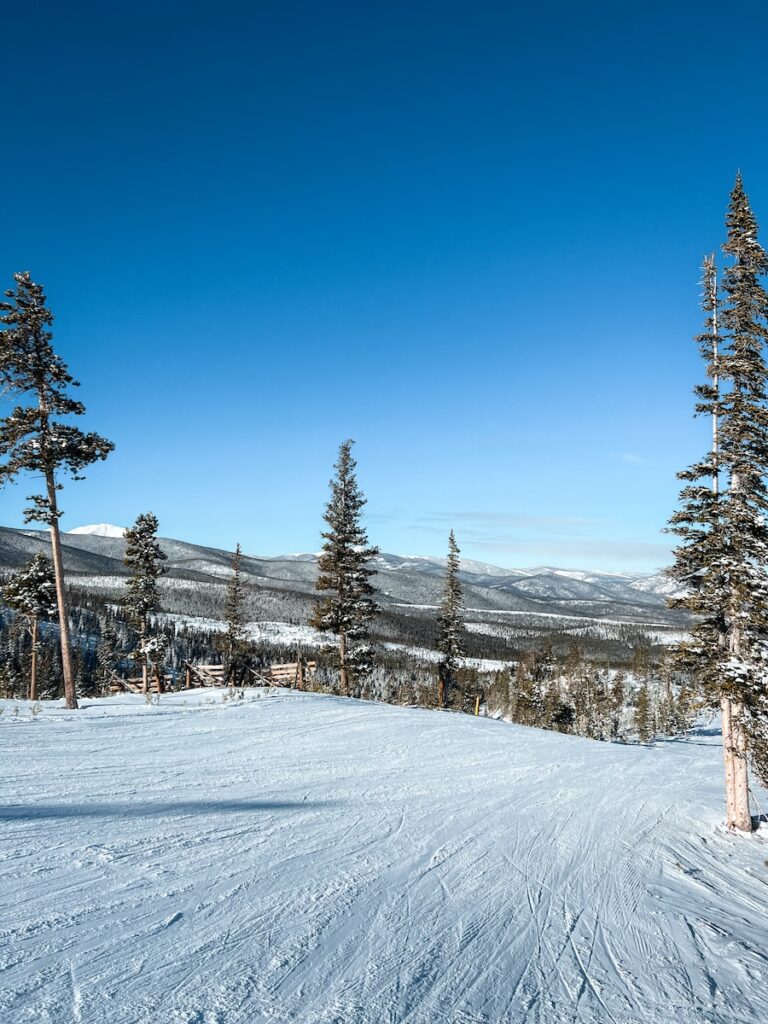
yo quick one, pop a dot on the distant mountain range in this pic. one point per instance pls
(282, 587)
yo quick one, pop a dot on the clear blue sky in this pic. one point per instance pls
(467, 235)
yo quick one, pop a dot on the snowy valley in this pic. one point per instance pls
(506, 608)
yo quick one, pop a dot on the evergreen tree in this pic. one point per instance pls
(722, 517)
(107, 650)
(32, 593)
(32, 439)
(344, 573)
(449, 622)
(144, 557)
(529, 707)
(643, 715)
(685, 708)
(616, 704)
(236, 642)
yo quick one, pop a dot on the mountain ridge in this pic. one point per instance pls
(95, 560)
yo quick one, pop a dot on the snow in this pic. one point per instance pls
(288, 634)
(100, 530)
(579, 620)
(659, 584)
(429, 655)
(315, 860)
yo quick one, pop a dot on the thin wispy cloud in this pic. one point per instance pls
(485, 522)
(525, 538)
(621, 551)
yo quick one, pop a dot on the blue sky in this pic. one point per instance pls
(466, 235)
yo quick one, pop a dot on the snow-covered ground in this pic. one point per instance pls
(310, 859)
(287, 634)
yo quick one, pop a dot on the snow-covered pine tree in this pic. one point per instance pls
(32, 593)
(643, 714)
(32, 439)
(722, 517)
(107, 650)
(144, 557)
(344, 573)
(235, 641)
(450, 623)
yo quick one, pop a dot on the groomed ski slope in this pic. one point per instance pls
(311, 859)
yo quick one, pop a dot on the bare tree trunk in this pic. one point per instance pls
(735, 756)
(70, 695)
(742, 819)
(728, 761)
(33, 670)
(343, 677)
(144, 658)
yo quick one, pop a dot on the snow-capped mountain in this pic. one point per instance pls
(100, 530)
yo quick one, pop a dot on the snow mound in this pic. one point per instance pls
(100, 530)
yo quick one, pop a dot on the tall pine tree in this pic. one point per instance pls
(723, 557)
(32, 593)
(32, 438)
(235, 641)
(344, 574)
(449, 623)
(144, 557)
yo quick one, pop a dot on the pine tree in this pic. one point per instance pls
(616, 704)
(449, 623)
(32, 593)
(722, 519)
(144, 557)
(32, 439)
(344, 573)
(107, 650)
(236, 644)
(529, 704)
(643, 715)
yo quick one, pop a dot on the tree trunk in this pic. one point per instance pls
(343, 677)
(144, 659)
(728, 762)
(33, 670)
(70, 695)
(742, 819)
(738, 813)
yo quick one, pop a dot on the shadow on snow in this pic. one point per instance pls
(34, 812)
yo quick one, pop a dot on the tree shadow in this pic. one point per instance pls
(36, 812)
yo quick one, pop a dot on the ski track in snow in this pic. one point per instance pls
(304, 858)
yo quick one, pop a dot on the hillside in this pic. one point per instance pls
(507, 605)
(303, 858)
